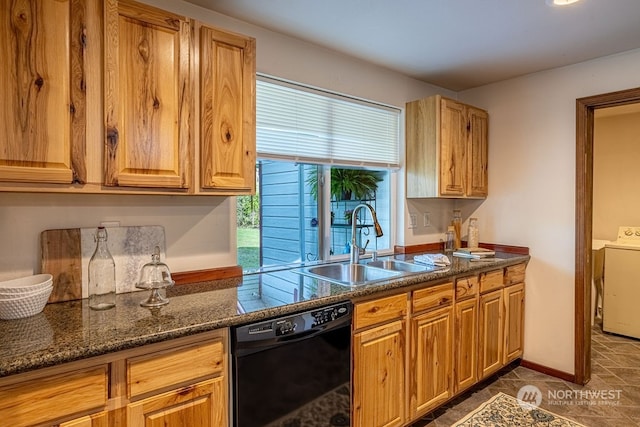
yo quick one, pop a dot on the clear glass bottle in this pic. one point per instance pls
(450, 239)
(102, 275)
(457, 227)
(472, 239)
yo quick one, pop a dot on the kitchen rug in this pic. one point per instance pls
(503, 410)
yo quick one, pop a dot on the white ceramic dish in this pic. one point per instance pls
(17, 308)
(9, 296)
(26, 284)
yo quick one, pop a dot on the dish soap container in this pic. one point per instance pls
(457, 227)
(449, 239)
(472, 238)
(102, 274)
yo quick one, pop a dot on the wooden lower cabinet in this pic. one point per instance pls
(181, 382)
(378, 376)
(465, 344)
(97, 420)
(66, 392)
(490, 333)
(513, 322)
(202, 405)
(430, 370)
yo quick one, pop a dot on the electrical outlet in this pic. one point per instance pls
(413, 219)
(426, 219)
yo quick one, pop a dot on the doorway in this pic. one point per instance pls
(585, 108)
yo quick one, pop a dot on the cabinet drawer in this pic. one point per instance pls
(43, 399)
(490, 280)
(466, 287)
(514, 274)
(432, 297)
(380, 310)
(175, 366)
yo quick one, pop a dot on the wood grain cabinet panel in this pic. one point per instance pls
(52, 397)
(431, 382)
(378, 376)
(453, 148)
(446, 149)
(227, 118)
(477, 152)
(148, 97)
(380, 310)
(42, 82)
(100, 419)
(164, 369)
(432, 297)
(202, 404)
(490, 323)
(465, 344)
(513, 322)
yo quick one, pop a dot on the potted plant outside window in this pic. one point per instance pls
(347, 184)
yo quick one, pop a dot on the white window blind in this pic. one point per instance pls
(311, 126)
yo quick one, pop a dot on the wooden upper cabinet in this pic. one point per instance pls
(42, 83)
(228, 105)
(446, 149)
(478, 153)
(148, 97)
(453, 148)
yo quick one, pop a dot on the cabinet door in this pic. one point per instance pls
(227, 120)
(148, 96)
(431, 382)
(490, 343)
(477, 152)
(466, 344)
(97, 420)
(203, 404)
(378, 376)
(453, 146)
(42, 81)
(513, 322)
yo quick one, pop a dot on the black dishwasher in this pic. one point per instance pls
(294, 370)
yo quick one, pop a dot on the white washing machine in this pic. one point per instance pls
(621, 302)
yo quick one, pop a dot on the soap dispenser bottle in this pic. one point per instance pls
(473, 235)
(457, 227)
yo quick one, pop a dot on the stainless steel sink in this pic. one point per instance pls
(349, 274)
(394, 265)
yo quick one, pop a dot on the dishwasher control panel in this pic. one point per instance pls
(331, 313)
(295, 325)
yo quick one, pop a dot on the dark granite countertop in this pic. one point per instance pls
(70, 331)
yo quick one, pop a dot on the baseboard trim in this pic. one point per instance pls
(197, 276)
(548, 371)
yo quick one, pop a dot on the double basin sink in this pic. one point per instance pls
(364, 274)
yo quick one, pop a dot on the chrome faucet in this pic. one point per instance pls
(356, 251)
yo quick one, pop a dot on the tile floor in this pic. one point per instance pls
(615, 366)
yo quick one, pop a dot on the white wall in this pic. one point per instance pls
(616, 150)
(200, 231)
(532, 187)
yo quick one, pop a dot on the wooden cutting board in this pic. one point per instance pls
(65, 254)
(62, 258)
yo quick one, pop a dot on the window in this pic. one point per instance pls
(319, 156)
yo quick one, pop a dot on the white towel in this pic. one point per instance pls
(439, 260)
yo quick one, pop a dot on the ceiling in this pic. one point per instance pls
(454, 44)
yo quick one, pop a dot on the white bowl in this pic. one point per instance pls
(8, 296)
(18, 308)
(26, 284)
